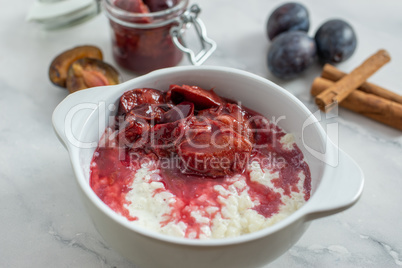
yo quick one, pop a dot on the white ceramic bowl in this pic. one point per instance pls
(337, 181)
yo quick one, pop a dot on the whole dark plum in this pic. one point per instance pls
(288, 17)
(336, 41)
(290, 54)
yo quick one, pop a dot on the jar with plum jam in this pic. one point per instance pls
(147, 34)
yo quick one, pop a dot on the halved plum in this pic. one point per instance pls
(60, 65)
(85, 73)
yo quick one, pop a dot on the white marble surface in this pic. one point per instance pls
(43, 222)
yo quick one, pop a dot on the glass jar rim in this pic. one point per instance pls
(159, 18)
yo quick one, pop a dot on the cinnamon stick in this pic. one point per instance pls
(330, 72)
(342, 88)
(382, 110)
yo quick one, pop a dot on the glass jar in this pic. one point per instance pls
(143, 42)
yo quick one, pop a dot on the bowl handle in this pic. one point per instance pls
(71, 114)
(340, 191)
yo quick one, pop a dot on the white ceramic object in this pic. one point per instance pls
(337, 181)
(54, 14)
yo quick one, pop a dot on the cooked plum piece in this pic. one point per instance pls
(60, 65)
(231, 115)
(138, 96)
(165, 137)
(150, 112)
(85, 73)
(171, 129)
(135, 6)
(134, 132)
(202, 98)
(215, 153)
(178, 112)
(158, 5)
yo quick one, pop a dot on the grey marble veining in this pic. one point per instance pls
(42, 220)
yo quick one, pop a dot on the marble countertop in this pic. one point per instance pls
(43, 222)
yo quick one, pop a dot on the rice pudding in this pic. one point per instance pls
(189, 163)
